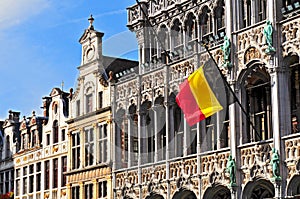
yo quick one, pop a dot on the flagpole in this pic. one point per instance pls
(236, 99)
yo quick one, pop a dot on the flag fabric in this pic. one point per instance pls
(197, 96)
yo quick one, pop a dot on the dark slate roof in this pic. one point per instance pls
(119, 65)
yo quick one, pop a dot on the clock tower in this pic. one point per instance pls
(91, 42)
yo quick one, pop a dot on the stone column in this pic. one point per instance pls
(95, 189)
(69, 191)
(81, 190)
(82, 142)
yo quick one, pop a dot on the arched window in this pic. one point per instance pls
(177, 38)
(147, 131)
(219, 13)
(191, 33)
(55, 132)
(205, 20)
(89, 100)
(176, 128)
(295, 92)
(153, 45)
(122, 137)
(258, 100)
(160, 127)
(163, 43)
(133, 124)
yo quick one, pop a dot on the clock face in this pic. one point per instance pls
(90, 53)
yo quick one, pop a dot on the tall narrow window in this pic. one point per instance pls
(11, 180)
(147, 130)
(177, 38)
(63, 134)
(262, 10)
(75, 150)
(88, 191)
(31, 178)
(55, 132)
(176, 128)
(78, 108)
(100, 98)
(38, 176)
(153, 43)
(102, 189)
(259, 105)
(102, 143)
(160, 127)
(122, 127)
(18, 182)
(220, 18)
(295, 93)
(47, 174)
(163, 42)
(1, 183)
(133, 123)
(48, 139)
(64, 169)
(75, 192)
(7, 182)
(191, 33)
(55, 173)
(206, 23)
(89, 103)
(25, 180)
(89, 147)
(8, 152)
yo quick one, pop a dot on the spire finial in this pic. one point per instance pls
(91, 20)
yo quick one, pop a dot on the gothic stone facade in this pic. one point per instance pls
(157, 154)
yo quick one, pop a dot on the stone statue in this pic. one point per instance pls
(231, 169)
(275, 164)
(268, 32)
(226, 52)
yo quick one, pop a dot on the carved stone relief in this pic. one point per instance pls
(213, 170)
(290, 37)
(255, 162)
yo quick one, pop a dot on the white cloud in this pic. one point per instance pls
(15, 12)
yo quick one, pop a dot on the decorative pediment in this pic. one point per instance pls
(89, 34)
(55, 91)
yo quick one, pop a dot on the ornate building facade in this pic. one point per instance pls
(89, 125)
(41, 159)
(9, 130)
(255, 43)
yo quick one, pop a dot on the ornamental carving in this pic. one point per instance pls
(250, 54)
(292, 151)
(213, 169)
(181, 70)
(89, 175)
(290, 37)
(255, 161)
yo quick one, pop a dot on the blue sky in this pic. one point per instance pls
(39, 46)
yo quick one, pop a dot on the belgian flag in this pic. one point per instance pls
(203, 93)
